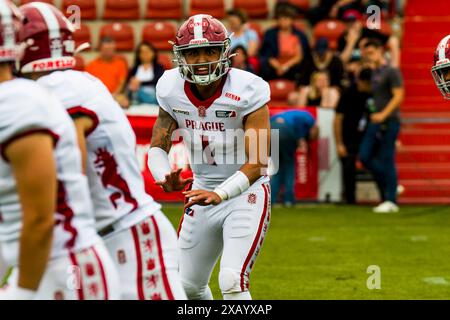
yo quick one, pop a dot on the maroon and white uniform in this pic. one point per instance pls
(235, 228)
(26, 108)
(137, 234)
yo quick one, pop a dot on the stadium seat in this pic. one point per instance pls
(256, 9)
(121, 10)
(28, 1)
(159, 33)
(216, 8)
(122, 33)
(80, 63)
(88, 8)
(165, 59)
(280, 89)
(167, 9)
(83, 35)
(330, 29)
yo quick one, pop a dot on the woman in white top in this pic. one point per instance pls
(143, 76)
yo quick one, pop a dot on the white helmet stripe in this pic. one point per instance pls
(443, 47)
(198, 26)
(52, 25)
(6, 19)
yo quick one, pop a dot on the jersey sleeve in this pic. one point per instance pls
(21, 121)
(161, 95)
(259, 95)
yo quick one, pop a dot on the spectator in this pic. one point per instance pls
(377, 150)
(349, 127)
(143, 76)
(323, 59)
(318, 93)
(284, 47)
(343, 7)
(352, 41)
(242, 34)
(109, 67)
(295, 128)
(240, 60)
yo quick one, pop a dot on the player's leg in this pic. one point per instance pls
(200, 244)
(243, 235)
(89, 274)
(146, 258)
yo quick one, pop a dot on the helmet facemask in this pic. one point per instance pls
(440, 73)
(222, 66)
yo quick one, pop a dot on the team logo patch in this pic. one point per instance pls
(121, 257)
(226, 114)
(201, 111)
(185, 112)
(251, 198)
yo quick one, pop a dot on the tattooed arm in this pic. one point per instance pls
(158, 160)
(165, 125)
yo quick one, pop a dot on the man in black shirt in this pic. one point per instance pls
(348, 129)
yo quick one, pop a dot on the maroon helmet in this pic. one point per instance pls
(201, 31)
(10, 26)
(47, 34)
(441, 67)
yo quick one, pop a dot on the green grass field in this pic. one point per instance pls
(323, 252)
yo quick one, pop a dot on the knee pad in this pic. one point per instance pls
(194, 292)
(229, 281)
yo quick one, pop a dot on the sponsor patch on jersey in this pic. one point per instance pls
(185, 112)
(189, 212)
(226, 114)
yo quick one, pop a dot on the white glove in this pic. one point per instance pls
(9, 292)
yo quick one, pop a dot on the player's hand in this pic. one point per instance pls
(377, 117)
(341, 150)
(174, 181)
(201, 198)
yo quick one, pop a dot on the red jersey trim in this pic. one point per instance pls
(204, 103)
(79, 110)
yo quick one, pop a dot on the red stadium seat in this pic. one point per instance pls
(121, 10)
(28, 1)
(165, 59)
(216, 8)
(167, 9)
(80, 63)
(82, 35)
(159, 33)
(88, 8)
(330, 29)
(254, 8)
(280, 89)
(122, 33)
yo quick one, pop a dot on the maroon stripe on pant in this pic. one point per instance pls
(139, 279)
(161, 261)
(257, 238)
(102, 272)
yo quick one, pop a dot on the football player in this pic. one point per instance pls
(52, 245)
(228, 208)
(441, 67)
(138, 235)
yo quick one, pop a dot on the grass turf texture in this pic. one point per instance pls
(323, 252)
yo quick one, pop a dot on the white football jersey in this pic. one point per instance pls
(27, 108)
(115, 181)
(209, 125)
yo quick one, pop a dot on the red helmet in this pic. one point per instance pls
(201, 31)
(441, 67)
(47, 34)
(10, 26)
